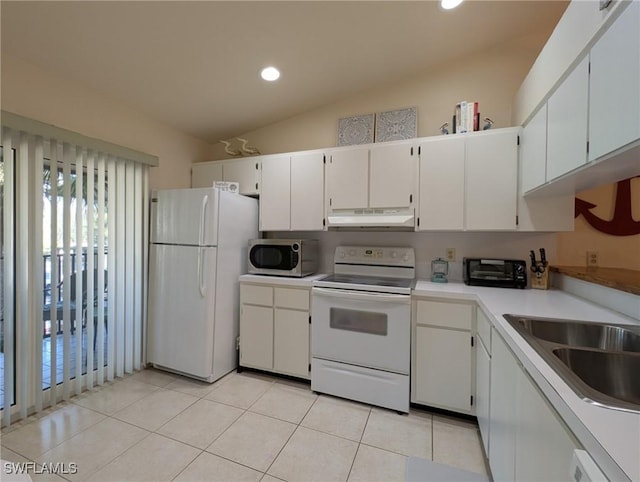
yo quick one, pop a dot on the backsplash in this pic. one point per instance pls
(432, 245)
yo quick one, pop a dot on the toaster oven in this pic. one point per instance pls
(498, 273)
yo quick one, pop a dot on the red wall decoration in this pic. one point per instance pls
(622, 223)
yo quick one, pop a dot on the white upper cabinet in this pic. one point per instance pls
(348, 178)
(307, 191)
(567, 123)
(614, 108)
(392, 172)
(292, 192)
(533, 151)
(203, 174)
(376, 176)
(275, 199)
(442, 183)
(244, 171)
(492, 180)
(540, 213)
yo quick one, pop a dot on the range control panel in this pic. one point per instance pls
(375, 255)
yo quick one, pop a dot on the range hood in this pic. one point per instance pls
(372, 218)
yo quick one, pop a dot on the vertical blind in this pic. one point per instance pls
(73, 301)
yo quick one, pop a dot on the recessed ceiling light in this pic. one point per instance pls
(270, 74)
(449, 4)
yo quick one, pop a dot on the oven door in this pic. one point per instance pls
(362, 328)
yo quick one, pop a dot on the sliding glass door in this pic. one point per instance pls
(84, 264)
(73, 265)
(7, 279)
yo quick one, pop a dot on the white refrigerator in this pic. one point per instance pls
(198, 249)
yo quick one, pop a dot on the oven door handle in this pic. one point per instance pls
(359, 295)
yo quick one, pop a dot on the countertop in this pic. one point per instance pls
(305, 281)
(612, 437)
(618, 278)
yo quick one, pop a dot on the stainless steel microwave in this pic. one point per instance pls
(283, 257)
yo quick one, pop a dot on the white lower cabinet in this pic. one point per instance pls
(502, 413)
(442, 338)
(544, 448)
(528, 441)
(483, 386)
(274, 328)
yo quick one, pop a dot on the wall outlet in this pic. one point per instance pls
(451, 254)
(592, 259)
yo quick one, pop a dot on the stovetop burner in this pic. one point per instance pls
(374, 269)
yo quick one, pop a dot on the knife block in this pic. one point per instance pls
(540, 281)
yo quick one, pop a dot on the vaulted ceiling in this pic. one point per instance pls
(195, 65)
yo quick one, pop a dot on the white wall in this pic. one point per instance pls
(42, 95)
(432, 245)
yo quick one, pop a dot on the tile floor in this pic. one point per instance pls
(158, 426)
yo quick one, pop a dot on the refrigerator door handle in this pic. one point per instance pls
(202, 286)
(203, 210)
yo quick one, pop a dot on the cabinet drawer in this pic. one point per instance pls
(256, 295)
(448, 315)
(484, 329)
(292, 298)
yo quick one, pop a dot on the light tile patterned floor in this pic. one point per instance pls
(158, 426)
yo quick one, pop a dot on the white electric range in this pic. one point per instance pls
(361, 326)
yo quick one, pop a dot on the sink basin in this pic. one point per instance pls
(588, 335)
(612, 374)
(599, 361)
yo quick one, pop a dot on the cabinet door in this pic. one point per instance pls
(533, 152)
(275, 194)
(502, 410)
(256, 336)
(483, 383)
(492, 180)
(203, 174)
(544, 448)
(244, 171)
(348, 179)
(442, 183)
(437, 348)
(567, 123)
(614, 97)
(307, 192)
(540, 213)
(392, 172)
(291, 342)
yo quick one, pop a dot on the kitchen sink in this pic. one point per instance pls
(612, 373)
(599, 361)
(588, 335)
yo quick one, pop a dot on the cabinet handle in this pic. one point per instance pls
(256, 186)
(256, 166)
(412, 151)
(410, 198)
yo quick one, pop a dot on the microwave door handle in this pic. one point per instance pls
(358, 295)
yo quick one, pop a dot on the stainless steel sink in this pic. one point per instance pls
(614, 374)
(588, 335)
(599, 361)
